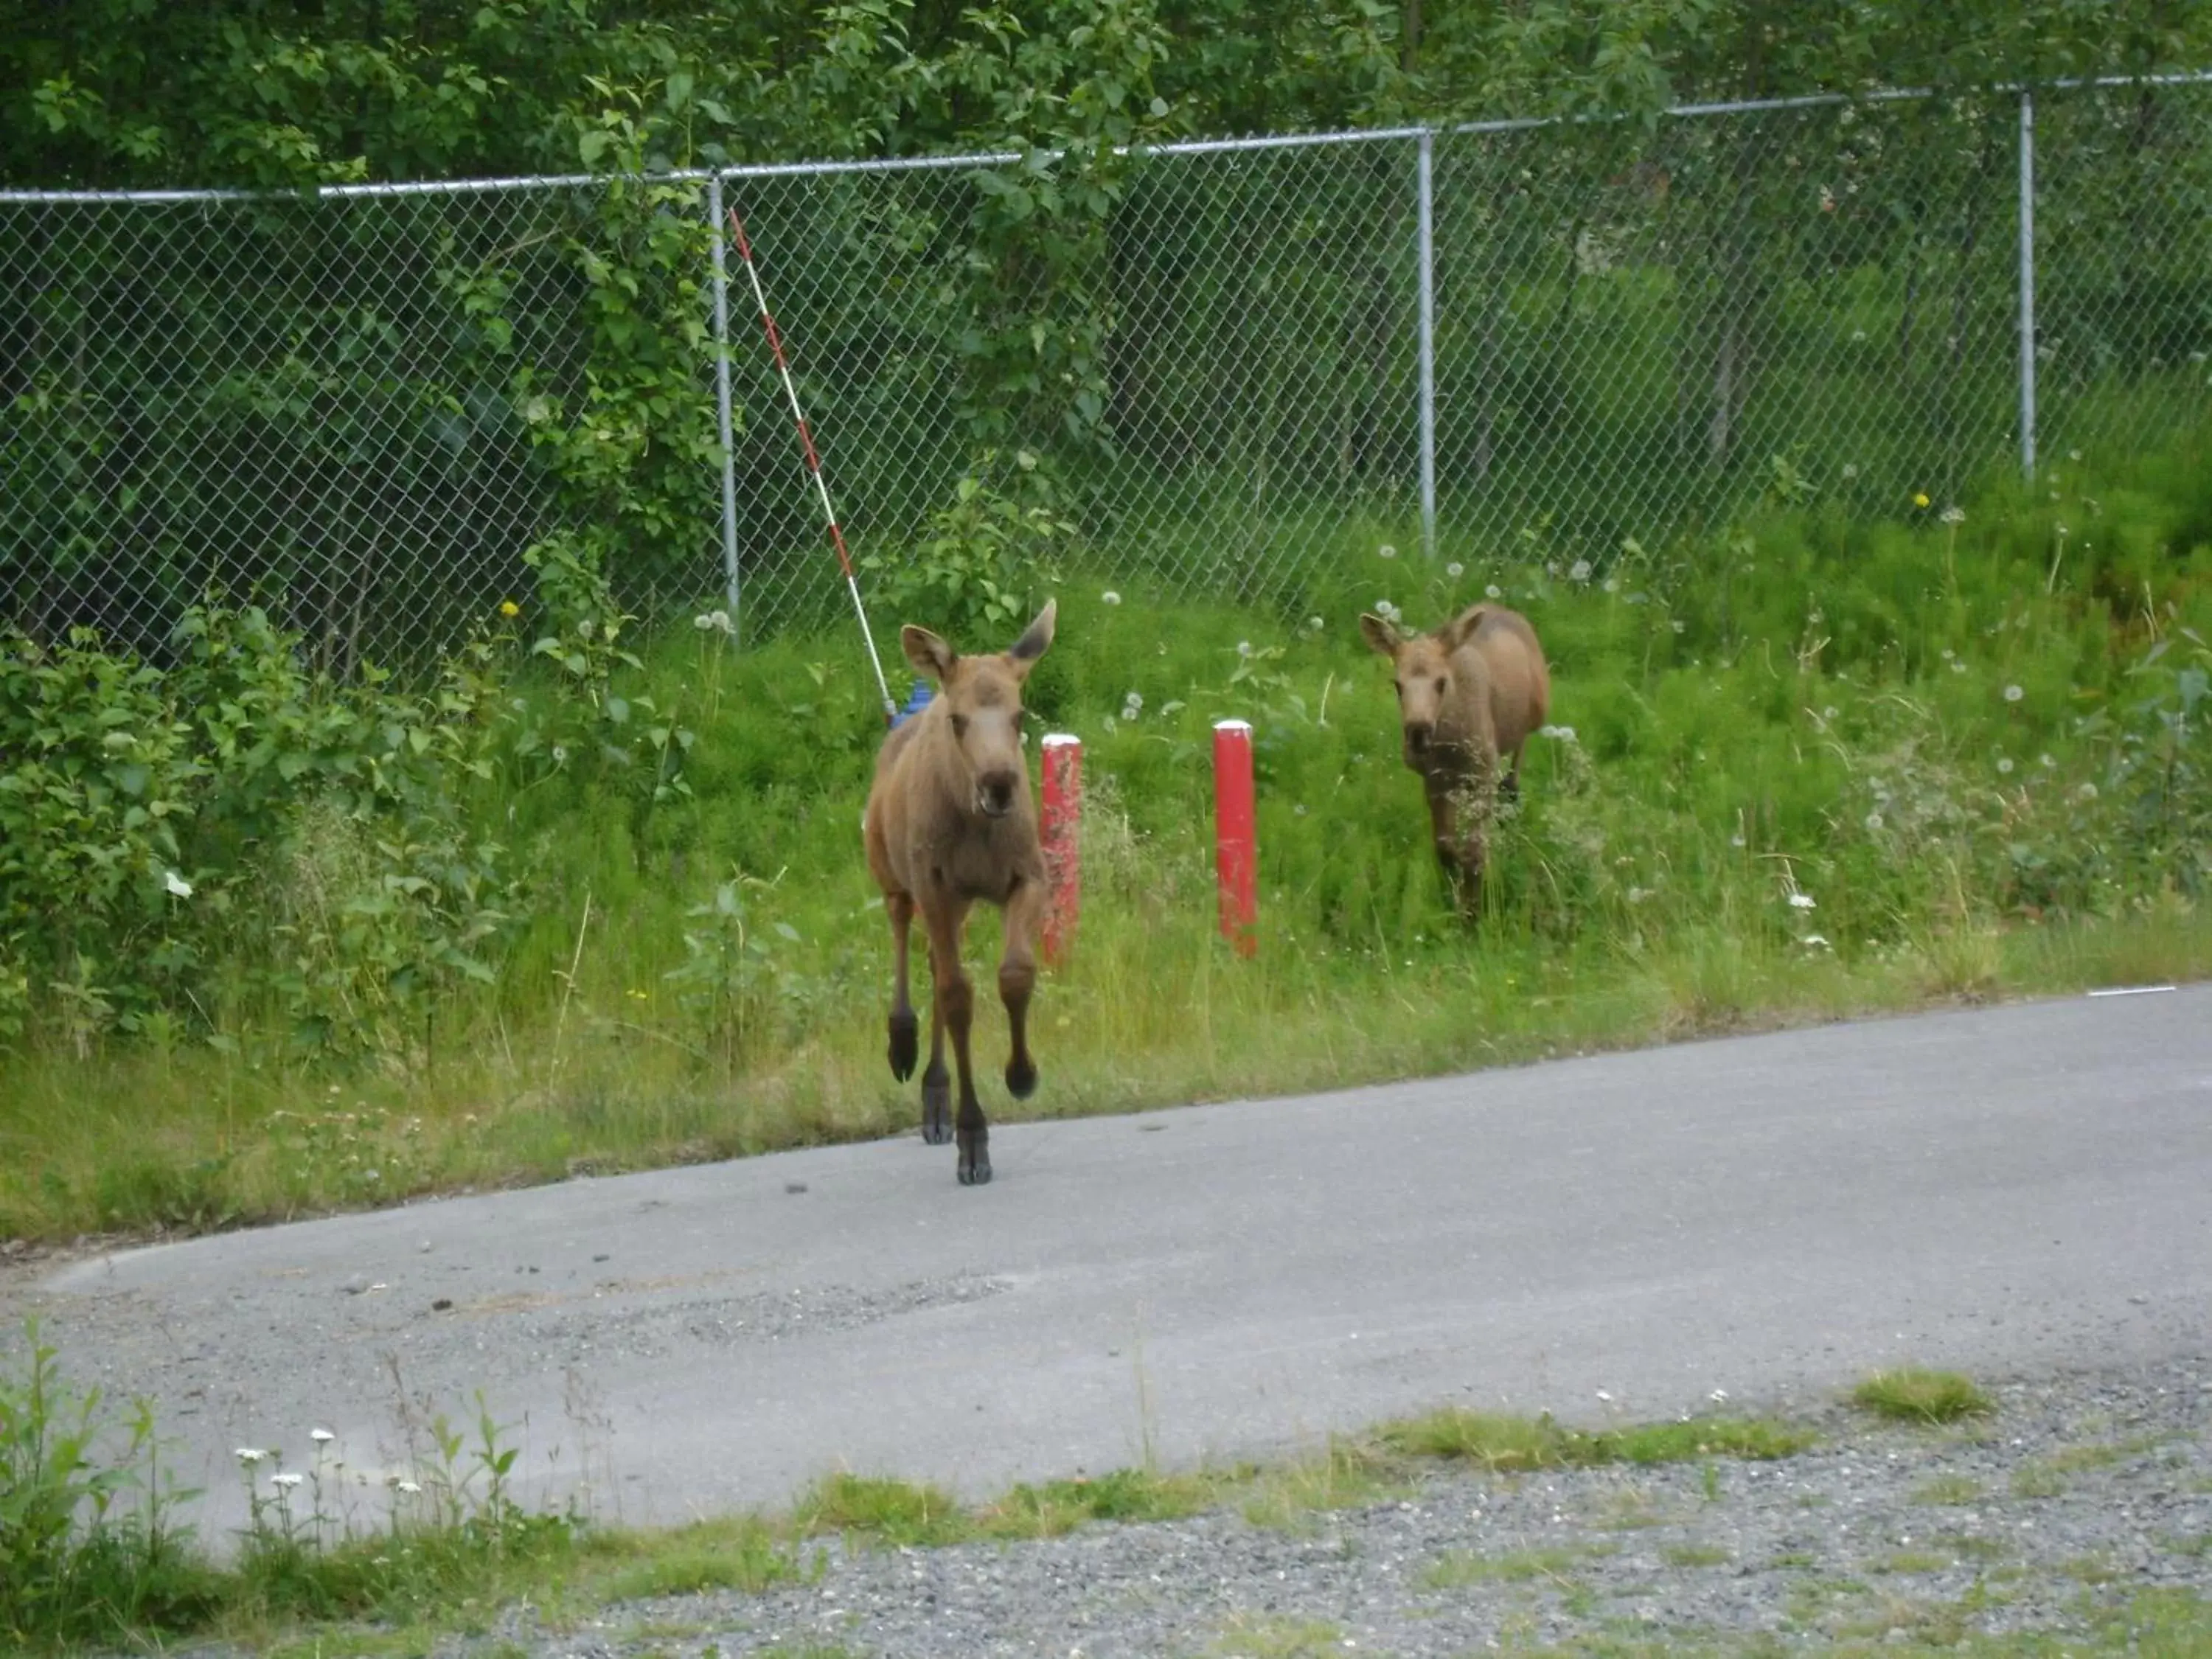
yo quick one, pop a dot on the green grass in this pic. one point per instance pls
(1513, 1443)
(1911, 1395)
(1948, 1489)
(1838, 712)
(1461, 1569)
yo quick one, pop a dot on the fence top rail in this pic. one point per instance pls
(1005, 158)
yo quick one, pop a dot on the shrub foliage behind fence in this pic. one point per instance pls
(1224, 363)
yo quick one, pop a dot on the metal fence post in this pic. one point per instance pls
(722, 401)
(1424, 193)
(2027, 281)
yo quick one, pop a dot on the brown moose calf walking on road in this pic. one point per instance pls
(950, 821)
(1469, 695)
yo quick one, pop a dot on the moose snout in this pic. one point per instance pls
(1419, 734)
(994, 794)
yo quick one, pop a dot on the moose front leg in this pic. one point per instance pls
(1457, 818)
(904, 1032)
(1025, 909)
(954, 1012)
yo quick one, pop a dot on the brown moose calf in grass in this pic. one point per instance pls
(950, 821)
(1468, 694)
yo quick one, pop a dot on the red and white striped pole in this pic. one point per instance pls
(1061, 829)
(1236, 841)
(813, 463)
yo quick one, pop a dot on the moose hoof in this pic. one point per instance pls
(1021, 1079)
(976, 1171)
(936, 1113)
(905, 1045)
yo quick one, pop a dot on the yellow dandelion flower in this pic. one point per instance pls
(1920, 498)
(509, 608)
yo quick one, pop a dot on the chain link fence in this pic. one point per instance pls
(361, 406)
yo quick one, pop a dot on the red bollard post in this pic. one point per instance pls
(1235, 842)
(1060, 830)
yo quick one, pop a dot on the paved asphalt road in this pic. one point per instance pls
(2014, 1191)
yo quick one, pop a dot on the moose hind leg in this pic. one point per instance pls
(905, 1033)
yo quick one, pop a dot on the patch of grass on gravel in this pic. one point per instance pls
(899, 1513)
(1348, 1474)
(744, 1554)
(1266, 1638)
(1913, 1395)
(1518, 1444)
(1050, 1508)
(1459, 1569)
(1948, 1489)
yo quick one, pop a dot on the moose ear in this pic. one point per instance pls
(929, 654)
(1460, 628)
(1379, 634)
(1035, 637)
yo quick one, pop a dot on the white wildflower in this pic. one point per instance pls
(1109, 597)
(1493, 592)
(1557, 733)
(321, 1437)
(1579, 571)
(1874, 823)
(1386, 551)
(1454, 570)
(2087, 792)
(1315, 624)
(2013, 694)
(704, 620)
(2075, 454)
(721, 621)
(176, 883)
(1814, 942)
(249, 1454)
(2046, 762)
(1850, 469)
(1802, 902)
(410, 1488)
(1603, 1395)
(286, 1480)
(1953, 515)
(1678, 624)
(1718, 1396)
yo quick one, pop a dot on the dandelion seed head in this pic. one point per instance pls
(1874, 823)
(1109, 597)
(1243, 647)
(1454, 570)
(1850, 469)
(1493, 592)
(2013, 693)
(2087, 792)
(1579, 570)
(2004, 766)
(1557, 733)
(1386, 551)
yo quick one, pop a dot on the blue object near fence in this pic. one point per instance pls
(916, 701)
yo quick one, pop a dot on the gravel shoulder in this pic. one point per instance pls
(2081, 1495)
